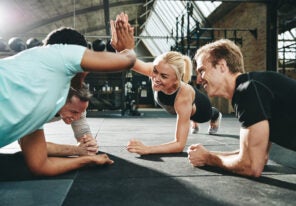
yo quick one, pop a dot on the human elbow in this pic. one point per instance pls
(179, 148)
(250, 169)
(254, 171)
(40, 171)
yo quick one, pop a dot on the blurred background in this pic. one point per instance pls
(264, 29)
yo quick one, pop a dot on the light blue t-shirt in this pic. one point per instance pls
(34, 85)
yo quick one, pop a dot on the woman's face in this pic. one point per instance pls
(164, 78)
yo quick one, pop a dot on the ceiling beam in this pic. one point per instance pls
(34, 25)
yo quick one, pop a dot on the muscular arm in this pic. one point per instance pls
(87, 145)
(61, 150)
(34, 149)
(183, 109)
(249, 161)
(176, 146)
(107, 62)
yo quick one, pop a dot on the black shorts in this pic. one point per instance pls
(203, 107)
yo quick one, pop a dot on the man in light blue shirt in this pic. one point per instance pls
(34, 89)
(34, 85)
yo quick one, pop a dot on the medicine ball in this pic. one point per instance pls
(16, 44)
(109, 47)
(98, 45)
(32, 42)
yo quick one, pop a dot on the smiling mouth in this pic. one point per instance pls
(205, 85)
(156, 84)
(69, 120)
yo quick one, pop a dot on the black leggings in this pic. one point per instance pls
(204, 110)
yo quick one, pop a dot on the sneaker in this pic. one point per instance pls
(194, 130)
(214, 126)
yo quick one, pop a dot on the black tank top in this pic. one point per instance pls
(166, 101)
(204, 109)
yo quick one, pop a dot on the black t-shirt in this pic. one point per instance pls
(268, 96)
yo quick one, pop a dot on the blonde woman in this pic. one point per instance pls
(169, 74)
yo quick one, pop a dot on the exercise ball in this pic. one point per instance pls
(16, 44)
(109, 47)
(33, 42)
(98, 45)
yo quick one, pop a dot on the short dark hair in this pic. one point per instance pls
(83, 93)
(65, 35)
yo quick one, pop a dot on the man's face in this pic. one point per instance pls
(73, 110)
(208, 76)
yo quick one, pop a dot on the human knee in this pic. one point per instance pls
(215, 114)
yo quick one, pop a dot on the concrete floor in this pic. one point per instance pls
(157, 179)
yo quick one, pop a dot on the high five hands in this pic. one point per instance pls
(122, 33)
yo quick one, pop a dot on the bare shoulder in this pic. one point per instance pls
(186, 94)
(187, 90)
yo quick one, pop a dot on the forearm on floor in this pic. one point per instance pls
(226, 153)
(231, 163)
(61, 150)
(170, 147)
(59, 165)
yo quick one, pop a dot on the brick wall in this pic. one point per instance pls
(245, 16)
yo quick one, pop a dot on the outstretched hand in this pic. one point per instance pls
(122, 33)
(101, 159)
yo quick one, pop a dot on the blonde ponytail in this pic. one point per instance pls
(187, 69)
(180, 63)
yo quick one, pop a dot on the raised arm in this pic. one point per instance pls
(93, 61)
(249, 161)
(121, 31)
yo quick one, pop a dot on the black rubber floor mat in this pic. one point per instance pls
(126, 183)
(14, 168)
(36, 192)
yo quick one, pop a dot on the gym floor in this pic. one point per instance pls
(147, 180)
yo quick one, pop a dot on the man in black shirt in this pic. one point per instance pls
(263, 102)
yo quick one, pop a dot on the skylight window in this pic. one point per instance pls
(162, 22)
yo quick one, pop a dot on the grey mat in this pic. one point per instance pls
(37, 192)
(169, 180)
(157, 179)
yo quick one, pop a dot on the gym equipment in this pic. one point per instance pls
(16, 44)
(98, 45)
(33, 42)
